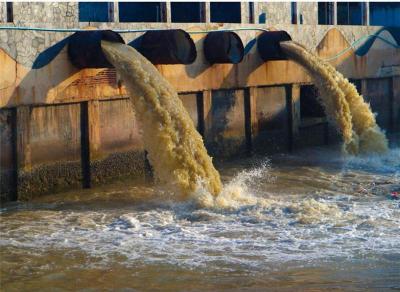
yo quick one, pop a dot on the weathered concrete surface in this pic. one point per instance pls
(271, 128)
(62, 14)
(224, 123)
(49, 151)
(116, 147)
(34, 75)
(378, 92)
(7, 148)
(48, 96)
(189, 101)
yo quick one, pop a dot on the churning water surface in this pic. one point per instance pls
(313, 220)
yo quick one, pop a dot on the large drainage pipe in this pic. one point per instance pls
(84, 48)
(268, 45)
(223, 47)
(174, 46)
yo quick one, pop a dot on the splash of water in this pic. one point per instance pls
(342, 103)
(175, 149)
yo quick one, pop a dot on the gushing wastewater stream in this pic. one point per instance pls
(342, 103)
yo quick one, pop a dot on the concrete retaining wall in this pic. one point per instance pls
(61, 127)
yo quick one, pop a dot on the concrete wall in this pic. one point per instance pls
(48, 148)
(3, 12)
(308, 12)
(275, 12)
(61, 127)
(61, 14)
(224, 115)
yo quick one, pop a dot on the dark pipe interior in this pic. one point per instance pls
(84, 48)
(268, 45)
(223, 47)
(174, 46)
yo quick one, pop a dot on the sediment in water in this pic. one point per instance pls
(342, 103)
(175, 149)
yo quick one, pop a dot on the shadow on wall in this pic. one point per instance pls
(365, 47)
(53, 78)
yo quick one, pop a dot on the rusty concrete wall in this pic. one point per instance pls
(33, 60)
(270, 130)
(116, 147)
(85, 120)
(190, 101)
(48, 149)
(224, 133)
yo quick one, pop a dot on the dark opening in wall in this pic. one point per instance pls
(187, 11)
(225, 12)
(310, 107)
(325, 12)
(10, 12)
(96, 11)
(293, 9)
(384, 13)
(251, 12)
(351, 13)
(142, 12)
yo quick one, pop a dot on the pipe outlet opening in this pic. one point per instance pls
(268, 45)
(223, 47)
(84, 48)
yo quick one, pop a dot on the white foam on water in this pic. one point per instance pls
(251, 229)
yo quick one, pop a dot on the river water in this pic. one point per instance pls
(319, 220)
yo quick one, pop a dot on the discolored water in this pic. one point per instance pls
(313, 220)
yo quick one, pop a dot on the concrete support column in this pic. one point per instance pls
(366, 12)
(256, 12)
(207, 12)
(90, 138)
(3, 11)
(168, 11)
(116, 12)
(250, 115)
(293, 106)
(94, 127)
(207, 101)
(23, 150)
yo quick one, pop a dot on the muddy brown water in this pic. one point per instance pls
(318, 220)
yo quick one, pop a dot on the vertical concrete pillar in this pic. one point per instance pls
(366, 13)
(335, 13)
(250, 116)
(23, 138)
(3, 11)
(168, 11)
(90, 138)
(94, 128)
(207, 118)
(23, 161)
(207, 12)
(293, 103)
(116, 12)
